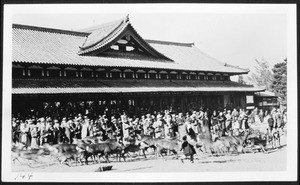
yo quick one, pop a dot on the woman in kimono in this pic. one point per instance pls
(34, 137)
(24, 131)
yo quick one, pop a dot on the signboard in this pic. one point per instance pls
(249, 99)
(250, 107)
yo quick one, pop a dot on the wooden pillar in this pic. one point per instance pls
(160, 103)
(182, 103)
(135, 105)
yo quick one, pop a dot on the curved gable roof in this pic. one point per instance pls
(104, 36)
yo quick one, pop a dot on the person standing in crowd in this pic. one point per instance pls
(274, 117)
(138, 129)
(206, 126)
(245, 121)
(279, 118)
(200, 119)
(50, 131)
(68, 131)
(103, 133)
(84, 128)
(174, 126)
(191, 135)
(148, 125)
(117, 130)
(235, 113)
(266, 117)
(221, 122)
(110, 129)
(182, 130)
(252, 117)
(77, 130)
(236, 125)
(15, 130)
(144, 124)
(57, 132)
(43, 131)
(195, 124)
(240, 118)
(158, 127)
(34, 137)
(214, 121)
(130, 129)
(261, 116)
(284, 118)
(228, 120)
(24, 131)
(125, 127)
(271, 123)
(167, 126)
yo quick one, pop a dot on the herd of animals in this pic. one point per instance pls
(92, 149)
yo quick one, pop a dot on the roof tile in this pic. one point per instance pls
(36, 46)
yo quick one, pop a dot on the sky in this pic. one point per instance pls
(237, 39)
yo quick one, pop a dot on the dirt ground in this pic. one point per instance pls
(274, 160)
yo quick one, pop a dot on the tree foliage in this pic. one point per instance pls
(280, 80)
(262, 76)
(241, 79)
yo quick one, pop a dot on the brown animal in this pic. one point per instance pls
(169, 145)
(141, 146)
(92, 139)
(150, 141)
(67, 157)
(30, 155)
(65, 147)
(103, 149)
(257, 144)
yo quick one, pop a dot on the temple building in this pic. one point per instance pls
(266, 100)
(112, 68)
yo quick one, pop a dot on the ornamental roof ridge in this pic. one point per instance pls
(150, 41)
(49, 30)
(91, 29)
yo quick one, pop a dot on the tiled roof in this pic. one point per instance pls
(266, 94)
(103, 34)
(57, 86)
(50, 46)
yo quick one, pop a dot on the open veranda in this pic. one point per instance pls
(200, 140)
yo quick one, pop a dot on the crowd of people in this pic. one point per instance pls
(54, 130)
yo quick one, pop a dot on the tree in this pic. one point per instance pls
(262, 75)
(241, 79)
(279, 81)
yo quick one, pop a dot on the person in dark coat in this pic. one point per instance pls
(15, 131)
(221, 120)
(188, 150)
(214, 121)
(77, 130)
(57, 133)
